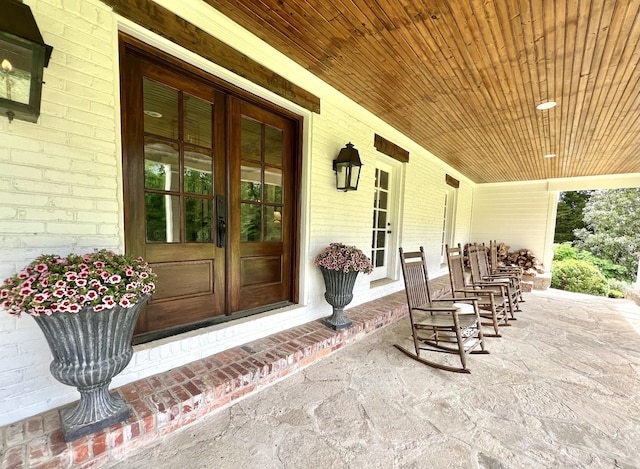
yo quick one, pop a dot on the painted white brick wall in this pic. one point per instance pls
(60, 186)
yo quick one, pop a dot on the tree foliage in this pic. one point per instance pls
(569, 215)
(612, 227)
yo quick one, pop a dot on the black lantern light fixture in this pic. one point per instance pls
(23, 56)
(347, 167)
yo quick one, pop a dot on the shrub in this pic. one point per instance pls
(578, 276)
(615, 284)
(608, 268)
(564, 251)
(616, 294)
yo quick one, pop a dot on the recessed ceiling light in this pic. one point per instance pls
(547, 105)
(550, 155)
(153, 114)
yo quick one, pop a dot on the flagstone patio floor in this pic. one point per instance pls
(561, 388)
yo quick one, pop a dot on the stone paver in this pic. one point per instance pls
(560, 389)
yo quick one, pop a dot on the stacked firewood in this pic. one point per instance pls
(521, 257)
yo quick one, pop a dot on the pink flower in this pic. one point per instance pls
(125, 303)
(60, 284)
(23, 275)
(103, 274)
(91, 295)
(81, 282)
(108, 301)
(114, 278)
(99, 308)
(40, 298)
(99, 264)
(4, 294)
(41, 268)
(71, 276)
(59, 293)
(129, 272)
(26, 291)
(73, 308)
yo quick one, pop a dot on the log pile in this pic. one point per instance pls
(522, 258)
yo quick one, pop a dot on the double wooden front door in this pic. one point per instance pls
(209, 195)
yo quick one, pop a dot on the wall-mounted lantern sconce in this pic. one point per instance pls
(23, 56)
(347, 167)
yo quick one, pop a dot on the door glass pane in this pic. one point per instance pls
(272, 223)
(273, 186)
(382, 219)
(250, 182)
(251, 139)
(163, 218)
(381, 237)
(273, 146)
(384, 180)
(379, 259)
(197, 171)
(161, 163)
(160, 109)
(382, 203)
(197, 219)
(250, 222)
(197, 121)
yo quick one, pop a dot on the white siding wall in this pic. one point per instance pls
(521, 215)
(60, 186)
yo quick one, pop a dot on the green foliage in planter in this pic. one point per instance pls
(578, 276)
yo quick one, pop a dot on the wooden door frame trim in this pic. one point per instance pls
(167, 24)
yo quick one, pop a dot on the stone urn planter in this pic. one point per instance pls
(87, 307)
(89, 348)
(340, 266)
(339, 293)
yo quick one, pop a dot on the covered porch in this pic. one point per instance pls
(559, 389)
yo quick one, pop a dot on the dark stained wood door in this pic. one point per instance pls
(260, 170)
(174, 167)
(209, 194)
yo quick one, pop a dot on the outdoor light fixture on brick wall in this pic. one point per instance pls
(23, 56)
(347, 167)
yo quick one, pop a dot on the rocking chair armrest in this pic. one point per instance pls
(483, 292)
(437, 308)
(494, 285)
(463, 298)
(468, 290)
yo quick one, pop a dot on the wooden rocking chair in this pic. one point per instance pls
(438, 325)
(491, 301)
(481, 279)
(515, 279)
(496, 269)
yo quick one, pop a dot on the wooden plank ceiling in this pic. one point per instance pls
(462, 78)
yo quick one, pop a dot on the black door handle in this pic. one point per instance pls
(221, 227)
(222, 233)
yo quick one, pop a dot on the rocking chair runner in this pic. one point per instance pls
(438, 325)
(484, 281)
(491, 301)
